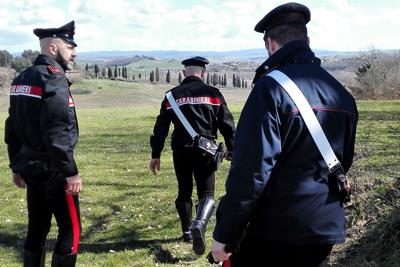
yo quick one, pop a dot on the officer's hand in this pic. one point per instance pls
(18, 181)
(155, 165)
(74, 185)
(228, 155)
(218, 251)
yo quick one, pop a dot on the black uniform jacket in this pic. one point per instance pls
(279, 187)
(205, 109)
(42, 123)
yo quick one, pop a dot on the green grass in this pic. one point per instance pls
(373, 220)
(111, 93)
(128, 215)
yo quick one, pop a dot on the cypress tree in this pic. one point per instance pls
(224, 79)
(87, 69)
(115, 71)
(96, 70)
(214, 79)
(168, 77)
(103, 72)
(152, 76)
(180, 77)
(157, 75)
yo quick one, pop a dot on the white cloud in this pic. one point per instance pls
(206, 25)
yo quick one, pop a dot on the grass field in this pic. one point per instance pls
(146, 65)
(128, 215)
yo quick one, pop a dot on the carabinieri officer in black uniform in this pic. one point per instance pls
(206, 110)
(41, 133)
(281, 202)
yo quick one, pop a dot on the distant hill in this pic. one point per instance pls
(257, 55)
(147, 65)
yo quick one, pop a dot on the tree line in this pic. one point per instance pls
(27, 57)
(154, 76)
(18, 63)
(215, 79)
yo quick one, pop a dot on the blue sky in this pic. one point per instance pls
(343, 25)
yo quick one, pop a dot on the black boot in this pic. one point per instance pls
(63, 260)
(34, 258)
(204, 212)
(185, 215)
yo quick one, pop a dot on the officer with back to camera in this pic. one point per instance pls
(205, 109)
(41, 133)
(282, 204)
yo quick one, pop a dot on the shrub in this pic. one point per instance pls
(379, 74)
(6, 76)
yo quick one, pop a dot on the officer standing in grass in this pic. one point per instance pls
(206, 111)
(281, 201)
(41, 132)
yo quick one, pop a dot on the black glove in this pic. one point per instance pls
(228, 155)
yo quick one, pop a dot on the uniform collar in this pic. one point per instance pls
(294, 52)
(46, 60)
(191, 79)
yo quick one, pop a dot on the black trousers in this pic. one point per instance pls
(189, 162)
(255, 252)
(46, 197)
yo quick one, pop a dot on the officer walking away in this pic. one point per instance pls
(281, 203)
(41, 133)
(206, 111)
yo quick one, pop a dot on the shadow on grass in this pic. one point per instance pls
(9, 238)
(380, 246)
(13, 236)
(125, 186)
(153, 245)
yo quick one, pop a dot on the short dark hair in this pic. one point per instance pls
(288, 32)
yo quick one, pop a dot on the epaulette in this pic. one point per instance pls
(262, 71)
(53, 69)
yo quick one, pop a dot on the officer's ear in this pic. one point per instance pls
(203, 72)
(271, 45)
(184, 73)
(53, 49)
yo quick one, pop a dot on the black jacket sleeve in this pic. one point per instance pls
(56, 123)
(11, 139)
(257, 147)
(226, 124)
(160, 131)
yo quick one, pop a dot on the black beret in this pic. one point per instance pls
(286, 13)
(195, 61)
(65, 32)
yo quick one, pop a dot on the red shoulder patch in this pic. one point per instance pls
(53, 69)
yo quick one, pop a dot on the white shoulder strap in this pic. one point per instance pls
(309, 117)
(180, 115)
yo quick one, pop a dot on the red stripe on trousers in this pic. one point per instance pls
(226, 263)
(75, 223)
